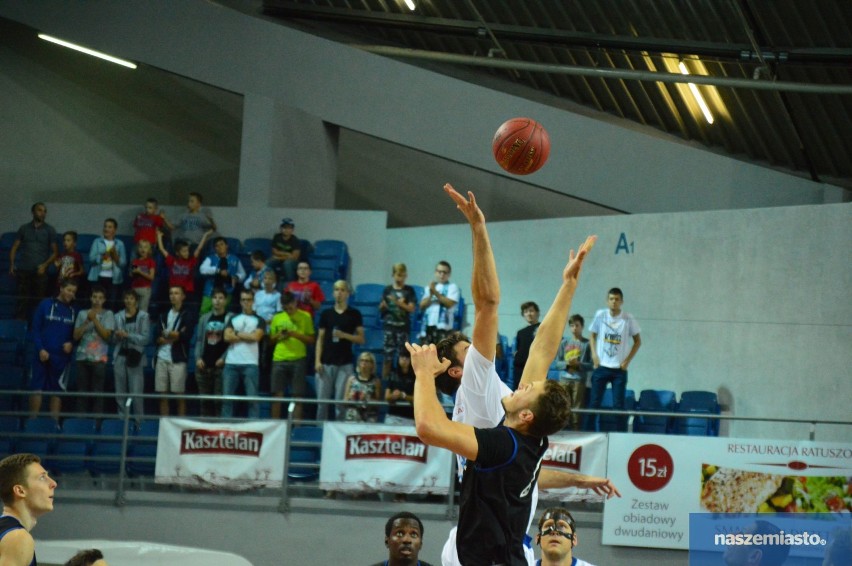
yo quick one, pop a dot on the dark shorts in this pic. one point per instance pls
(46, 376)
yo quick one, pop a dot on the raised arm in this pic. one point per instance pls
(549, 335)
(430, 420)
(484, 284)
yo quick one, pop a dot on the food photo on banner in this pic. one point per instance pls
(663, 479)
(575, 452)
(363, 457)
(221, 455)
(770, 539)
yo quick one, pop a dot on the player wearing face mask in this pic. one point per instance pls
(557, 538)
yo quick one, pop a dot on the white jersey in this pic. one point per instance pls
(479, 403)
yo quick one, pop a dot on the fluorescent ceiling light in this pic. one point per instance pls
(410, 4)
(697, 95)
(87, 51)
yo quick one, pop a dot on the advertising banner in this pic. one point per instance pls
(664, 478)
(375, 457)
(575, 452)
(237, 456)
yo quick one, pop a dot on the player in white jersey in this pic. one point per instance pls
(480, 392)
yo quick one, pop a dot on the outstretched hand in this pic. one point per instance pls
(424, 360)
(467, 205)
(575, 260)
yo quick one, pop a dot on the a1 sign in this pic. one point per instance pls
(650, 467)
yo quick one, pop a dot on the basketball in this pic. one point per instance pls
(521, 146)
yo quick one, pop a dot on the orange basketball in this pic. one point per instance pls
(521, 146)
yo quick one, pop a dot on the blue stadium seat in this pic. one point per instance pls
(13, 330)
(324, 269)
(609, 423)
(6, 241)
(144, 445)
(654, 400)
(8, 427)
(374, 340)
(301, 455)
(84, 244)
(260, 244)
(7, 306)
(370, 315)
(39, 443)
(698, 402)
(368, 294)
(334, 249)
(108, 446)
(71, 450)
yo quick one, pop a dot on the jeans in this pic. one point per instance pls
(600, 377)
(130, 380)
(91, 378)
(331, 384)
(209, 381)
(250, 375)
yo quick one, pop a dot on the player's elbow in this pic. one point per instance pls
(426, 431)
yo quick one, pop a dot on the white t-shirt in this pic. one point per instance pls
(244, 353)
(438, 315)
(479, 403)
(612, 336)
(164, 352)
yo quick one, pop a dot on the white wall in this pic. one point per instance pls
(753, 304)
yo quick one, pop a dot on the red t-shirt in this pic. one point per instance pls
(182, 272)
(305, 292)
(145, 227)
(146, 265)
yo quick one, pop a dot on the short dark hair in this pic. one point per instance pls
(37, 204)
(287, 297)
(258, 255)
(72, 233)
(96, 288)
(13, 471)
(197, 195)
(576, 318)
(130, 293)
(181, 243)
(529, 305)
(152, 200)
(181, 287)
(218, 291)
(403, 515)
(444, 382)
(550, 511)
(552, 410)
(85, 557)
(114, 222)
(67, 282)
(446, 264)
(219, 239)
(615, 291)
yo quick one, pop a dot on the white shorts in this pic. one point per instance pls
(450, 557)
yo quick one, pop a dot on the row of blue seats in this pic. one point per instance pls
(692, 403)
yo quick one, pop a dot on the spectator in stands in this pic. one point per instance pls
(339, 327)
(107, 260)
(243, 333)
(575, 361)
(69, 264)
(53, 341)
(36, 242)
(557, 537)
(403, 539)
(93, 333)
(210, 348)
(286, 250)
(173, 333)
(27, 493)
(143, 269)
(132, 334)
(400, 391)
(397, 304)
(148, 222)
(221, 269)
(364, 386)
(438, 304)
(192, 224)
(254, 280)
(181, 265)
(267, 302)
(91, 557)
(308, 293)
(524, 338)
(609, 334)
(291, 332)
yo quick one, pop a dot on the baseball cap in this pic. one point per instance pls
(287, 222)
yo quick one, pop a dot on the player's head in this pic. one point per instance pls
(767, 554)
(23, 479)
(541, 408)
(454, 348)
(530, 312)
(404, 537)
(557, 535)
(91, 557)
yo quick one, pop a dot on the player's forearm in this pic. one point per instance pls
(552, 328)
(485, 286)
(427, 408)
